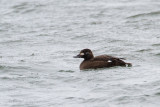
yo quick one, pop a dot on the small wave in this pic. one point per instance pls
(158, 54)
(6, 26)
(66, 71)
(144, 50)
(20, 6)
(11, 41)
(13, 67)
(156, 44)
(2, 67)
(129, 99)
(80, 37)
(92, 100)
(25, 7)
(145, 14)
(157, 93)
(95, 22)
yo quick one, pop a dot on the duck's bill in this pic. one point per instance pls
(78, 56)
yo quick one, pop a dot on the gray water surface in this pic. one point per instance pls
(38, 39)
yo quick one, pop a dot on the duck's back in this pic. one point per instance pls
(101, 62)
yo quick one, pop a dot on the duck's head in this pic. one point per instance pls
(85, 53)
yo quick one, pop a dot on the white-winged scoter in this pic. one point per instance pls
(102, 61)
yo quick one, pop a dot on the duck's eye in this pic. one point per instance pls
(87, 53)
(82, 54)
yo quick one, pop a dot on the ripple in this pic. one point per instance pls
(17, 68)
(92, 100)
(11, 41)
(95, 22)
(70, 71)
(158, 54)
(5, 26)
(25, 7)
(128, 99)
(144, 50)
(2, 67)
(157, 45)
(20, 6)
(156, 13)
(157, 93)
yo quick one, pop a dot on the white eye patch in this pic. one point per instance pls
(81, 53)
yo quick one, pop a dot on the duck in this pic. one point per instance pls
(102, 61)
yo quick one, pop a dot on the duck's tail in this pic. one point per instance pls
(128, 65)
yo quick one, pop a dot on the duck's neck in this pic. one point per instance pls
(88, 57)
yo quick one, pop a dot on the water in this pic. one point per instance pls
(39, 39)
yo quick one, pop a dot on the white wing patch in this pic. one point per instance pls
(109, 61)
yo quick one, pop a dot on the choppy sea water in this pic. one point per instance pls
(38, 39)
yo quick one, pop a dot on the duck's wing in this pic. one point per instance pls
(106, 58)
(114, 61)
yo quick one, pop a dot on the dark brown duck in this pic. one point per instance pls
(102, 61)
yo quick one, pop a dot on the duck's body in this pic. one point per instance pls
(102, 61)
